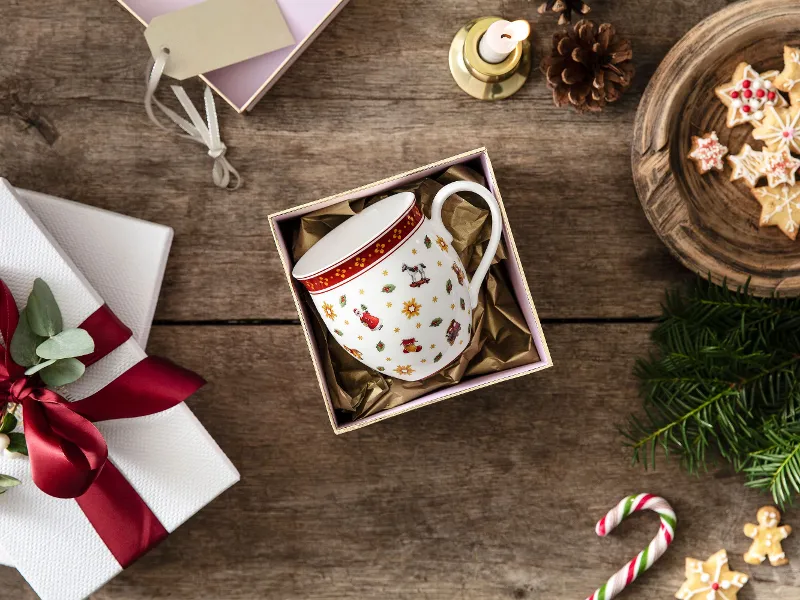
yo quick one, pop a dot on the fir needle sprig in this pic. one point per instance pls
(724, 383)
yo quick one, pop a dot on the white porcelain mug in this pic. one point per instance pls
(390, 288)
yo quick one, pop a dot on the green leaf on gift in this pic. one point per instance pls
(24, 342)
(8, 423)
(44, 316)
(18, 443)
(62, 372)
(388, 289)
(42, 365)
(67, 344)
(6, 482)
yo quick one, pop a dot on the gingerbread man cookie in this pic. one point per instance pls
(767, 537)
(707, 152)
(789, 79)
(780, 129)
(780, 206)
(748, 94)
(711, 580)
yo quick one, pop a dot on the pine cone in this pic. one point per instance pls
(565, 8)
(589, 66)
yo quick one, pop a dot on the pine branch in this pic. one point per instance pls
(724, 382)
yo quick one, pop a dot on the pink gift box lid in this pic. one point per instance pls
(244, 84)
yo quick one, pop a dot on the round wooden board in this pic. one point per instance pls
(709, 222)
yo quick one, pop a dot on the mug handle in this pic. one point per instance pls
(494, 240)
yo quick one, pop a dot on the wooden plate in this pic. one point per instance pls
(707, 221)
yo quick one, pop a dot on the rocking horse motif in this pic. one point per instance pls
(417, 273)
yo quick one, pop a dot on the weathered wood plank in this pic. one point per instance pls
(493, 495)
(370, 98)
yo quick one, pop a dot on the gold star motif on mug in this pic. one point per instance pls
(388, 305)
(414, 251)
(433, 346)
(346, 322)
(361, 337)
(435, 299)
(452, 306)
(419, 325)
(423, 361)
(397, 330)
(385, 273)
(388, 359)
(361, 292)
(438, 262)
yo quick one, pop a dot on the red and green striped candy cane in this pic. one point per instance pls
(645, 559)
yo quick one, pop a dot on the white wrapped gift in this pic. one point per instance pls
(123, 258)
(168, 458)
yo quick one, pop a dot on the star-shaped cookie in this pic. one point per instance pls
(748, 94)
(707, 152)
(780, 167)
(780, 206)
(780, 128)
(789, 78)
(747, 165)
(711, 580)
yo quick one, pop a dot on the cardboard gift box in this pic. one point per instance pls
(284, 223)
(123, 258)
(168, 458)
(242, 85)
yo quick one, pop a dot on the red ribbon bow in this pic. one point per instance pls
(68, 454)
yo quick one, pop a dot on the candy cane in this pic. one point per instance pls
(645, 559)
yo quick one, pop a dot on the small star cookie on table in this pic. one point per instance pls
(767, 537)
(780, 129)
(707, 152)
(789, 78)
(711, 580)
(748, 165)
(780, 206)
(748, 94)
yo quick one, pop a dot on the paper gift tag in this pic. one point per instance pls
(216, 34)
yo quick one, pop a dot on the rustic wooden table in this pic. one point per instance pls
(492, 495)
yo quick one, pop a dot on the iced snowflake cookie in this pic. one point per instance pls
(707, 152)
(780, 128)
(767, 537)
(780, 167)
(711, 580)
(780, 207)
(789, 79)
(747, 165)
(748, 94)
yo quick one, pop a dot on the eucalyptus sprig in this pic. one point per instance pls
(43, 346)
(724, 384)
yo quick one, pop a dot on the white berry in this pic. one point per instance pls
(704, 578)
(756, 85)
(767, 84)
(725, 584)
(5, 441)
(12, 455)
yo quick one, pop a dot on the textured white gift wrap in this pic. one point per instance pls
(123, 258)
(168, 458)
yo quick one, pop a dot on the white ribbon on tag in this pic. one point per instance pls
(223, 173)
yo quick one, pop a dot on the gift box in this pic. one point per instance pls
(242, 85)
(508, 343)
(164, 466)
(123, 258)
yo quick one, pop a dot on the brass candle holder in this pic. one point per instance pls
(484, 80)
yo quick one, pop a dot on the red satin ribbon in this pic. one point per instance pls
(68, 455)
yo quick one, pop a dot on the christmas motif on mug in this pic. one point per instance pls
(354, 352)
(370, 321)
(711, 580)
(463, 304)
(411, 308)
(789, 78)
(427, 242)
(388, 288)
(338, 332)
(328, 310)
(747, 165)
(767, 537)
(707, 152)
(452, 332)
(449, 286)
(438, 357)
(380, 346)
(780, 129)
(748, 94)
(442, 244)
(410, 346)
(404, 370)
(780, 207)
(417, 273)
(436, 322)
(459, 274)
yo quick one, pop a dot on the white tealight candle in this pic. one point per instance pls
(501, 38)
